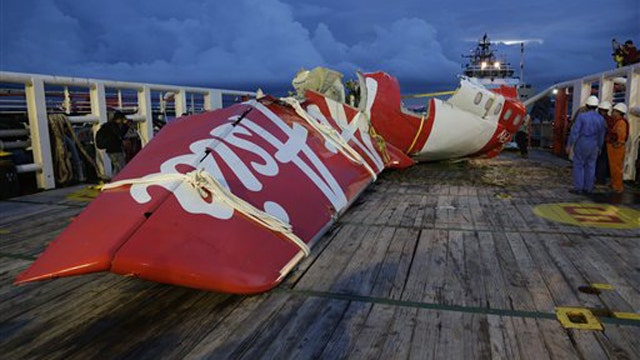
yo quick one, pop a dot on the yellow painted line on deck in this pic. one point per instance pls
(5, 231)
(627, 315)
(86, 194)
(590, 215)
(602, 286)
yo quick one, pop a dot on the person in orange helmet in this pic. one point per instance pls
(616, 149)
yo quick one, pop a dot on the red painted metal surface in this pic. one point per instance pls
(271, 158)
(409, 132)
(507, 125)
(404, 131)
(560, 122)
(268, 154)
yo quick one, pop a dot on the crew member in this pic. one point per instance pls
(522, 137)
(109, 137)
(602, 164)
(616, 140)
(590, 105)
(586, 137)
(630, 53)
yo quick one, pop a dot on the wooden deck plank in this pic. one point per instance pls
(515, 285)
(358, 276)
(314, 336)
(340, 343)
(369, 341)
(454, 289)
(399, 337)
(245, 316)
(333, 259)
(536, 286)
(395, 267)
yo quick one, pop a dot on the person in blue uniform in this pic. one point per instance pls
(586, 138)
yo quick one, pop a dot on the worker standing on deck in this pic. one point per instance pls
(586, 137)
(590, 104)
(602, 164)
(109, 137)
(616, 140)
(522, 137)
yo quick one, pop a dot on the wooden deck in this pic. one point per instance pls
(443, 261)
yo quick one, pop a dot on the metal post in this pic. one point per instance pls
(632, 99)
(67, 101)
(180, 102)
(560, 122)
(99, 109)
(213, 100)
(581, 91)
(145, 110)
(606, 89)
(39, 127)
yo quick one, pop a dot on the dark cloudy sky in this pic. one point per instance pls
(262, 43)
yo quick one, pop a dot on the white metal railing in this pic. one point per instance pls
(606, 81)
(26, 93)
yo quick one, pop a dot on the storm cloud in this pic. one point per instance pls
(249, 43)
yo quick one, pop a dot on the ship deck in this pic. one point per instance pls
(438, 261)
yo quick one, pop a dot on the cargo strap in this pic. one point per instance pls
(415, 139)
(206, 185)
(331, 135)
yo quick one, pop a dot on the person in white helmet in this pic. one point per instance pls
(616, 149)
(589, 105)
(586, 137)
(602, 164)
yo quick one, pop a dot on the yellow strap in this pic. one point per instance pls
(201, 180)
(330, 134)
(415, 139)
(416, 96)
(382, 144)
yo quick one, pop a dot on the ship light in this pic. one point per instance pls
(496, 65)
(483, 65)
(554, 91)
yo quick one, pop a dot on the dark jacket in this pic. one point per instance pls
(109, 137)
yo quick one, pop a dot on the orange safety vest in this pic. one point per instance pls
(614, 133)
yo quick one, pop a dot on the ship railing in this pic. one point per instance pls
(30, 98)
(616, 85)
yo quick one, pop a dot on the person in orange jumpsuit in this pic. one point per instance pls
(616, 140)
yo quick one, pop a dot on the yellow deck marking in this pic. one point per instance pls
(626, 315)
(5, 231)
(602, 286)
(86, 194)
(590, 215)
(566, 316)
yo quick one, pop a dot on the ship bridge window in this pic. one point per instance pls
(498, 109)
(507, 114)
(478, 98)
(516, 120)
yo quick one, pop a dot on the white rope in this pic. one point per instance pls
(205, 184)
(331, 135)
